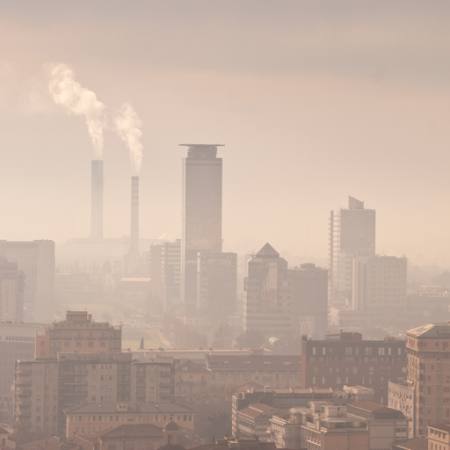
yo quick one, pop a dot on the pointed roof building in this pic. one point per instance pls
(267, 251)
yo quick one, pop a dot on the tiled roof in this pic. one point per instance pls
(413, 444)
(113, 408)
(437, 331)
(374, 408)
(257, 363)
(137, 430)
(441, 426)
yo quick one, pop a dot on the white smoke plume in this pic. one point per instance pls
(67, 92)
(128, 126)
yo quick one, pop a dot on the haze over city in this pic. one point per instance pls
(314, 101)
(224, 225)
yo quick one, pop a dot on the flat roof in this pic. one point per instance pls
(201, 145)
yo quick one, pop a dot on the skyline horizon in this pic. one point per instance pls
(313, 103)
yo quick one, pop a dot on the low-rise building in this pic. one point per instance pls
(92, 420)
(6, 441)
(276, 399)
(329, 427)
(386, 426)
(439, 436)
(254, 421)
(412, 444)
(401, 398)
(227, 373)
(136, 436)
(237, 444)
(285, 429)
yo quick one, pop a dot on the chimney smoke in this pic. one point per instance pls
(128, 126)
(67, 92)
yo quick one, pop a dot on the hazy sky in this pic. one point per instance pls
(314, 100)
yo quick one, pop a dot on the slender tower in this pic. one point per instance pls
(202, 213)
(96, 199)
(134, 222)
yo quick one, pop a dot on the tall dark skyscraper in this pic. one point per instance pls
(202, 212)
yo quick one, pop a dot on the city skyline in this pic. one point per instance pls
(224, 225)
(271, 108)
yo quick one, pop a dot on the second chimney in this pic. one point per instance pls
(134, 224)
(96, 199)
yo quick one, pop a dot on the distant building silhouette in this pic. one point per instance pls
(379, 283)
(165, 273)
(36, 259)
(11, 292)
(267, 308)
(351, 234)
(308, 290)
(202, 212)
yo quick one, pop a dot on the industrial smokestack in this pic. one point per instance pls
(97, 199)
(134, 224)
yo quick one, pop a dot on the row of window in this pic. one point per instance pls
(351, 351)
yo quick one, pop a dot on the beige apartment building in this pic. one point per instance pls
(37, 397)
(78, 333)
(439, 437)
(76, 379)
(329, 427)
(428, 373)
(17, 342)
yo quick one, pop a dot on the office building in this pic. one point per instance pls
(351, 234)
(267, 307)
(348, 359)
(165, 273)
(11, 292)
(36, 260)
(308, 290)
(217, 284)
(202, 212)
(379, 283)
